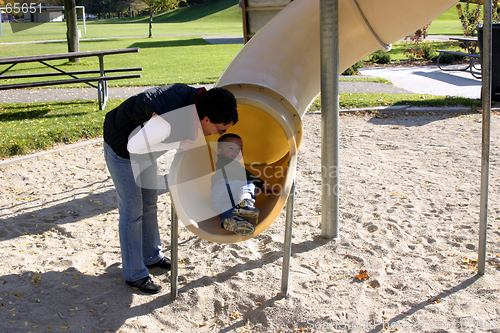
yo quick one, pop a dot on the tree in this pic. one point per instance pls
(72, 30)
(105, 8)
(133, 5)
(471, 16)
(156, 6)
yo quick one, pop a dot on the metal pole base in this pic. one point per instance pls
(174, 246)
(287, 251)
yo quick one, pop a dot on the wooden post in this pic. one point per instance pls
(72, 30)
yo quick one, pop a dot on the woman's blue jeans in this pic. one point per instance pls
(140, 242)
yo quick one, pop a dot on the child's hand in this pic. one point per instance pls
(268, 190)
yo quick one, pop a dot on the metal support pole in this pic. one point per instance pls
(174, 252)
(287, 246)
(329, 118)
(485, 155)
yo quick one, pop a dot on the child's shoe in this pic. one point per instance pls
(246, 209)
(238, 225)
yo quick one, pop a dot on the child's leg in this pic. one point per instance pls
(222, 204)
(246, 206)
(225, 215)
(248, 191)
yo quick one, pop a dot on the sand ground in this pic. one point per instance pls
(409, 217)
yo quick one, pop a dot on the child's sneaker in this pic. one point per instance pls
(246, 209)
(238, 225)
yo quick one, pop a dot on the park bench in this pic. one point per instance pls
(101, 78)
(470, 66)
(471, 46)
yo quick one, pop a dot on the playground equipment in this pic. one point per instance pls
(274, 78)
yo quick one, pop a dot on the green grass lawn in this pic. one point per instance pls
(447, 23)
(164, 60)
(218, 17)
(26, 128)
(187, 59)
(370, 100)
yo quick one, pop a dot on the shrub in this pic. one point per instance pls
(428, 51)
(380, 57)
(447, 59)
(412, 48)
(353, 70)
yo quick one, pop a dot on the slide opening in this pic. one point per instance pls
(268, 152)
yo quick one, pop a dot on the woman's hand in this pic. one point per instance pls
(186, 145)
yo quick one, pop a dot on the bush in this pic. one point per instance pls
(428, 51)
(380, 57)
(447, 59)
(412, 48)
(353, 70)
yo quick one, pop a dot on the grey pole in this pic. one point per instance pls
(329, 118)
(287, 246)
(174, 247)
(485, 155)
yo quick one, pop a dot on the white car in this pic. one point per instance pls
(91, 17)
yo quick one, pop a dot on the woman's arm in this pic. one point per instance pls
(150, 137)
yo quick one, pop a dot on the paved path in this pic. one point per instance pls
(428, 80)
(212, 39)
(68, 94)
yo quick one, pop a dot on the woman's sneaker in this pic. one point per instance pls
(246, 209)
(146, 285)
(238, 225)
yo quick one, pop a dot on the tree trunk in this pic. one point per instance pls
(72, 30)
(151, 23)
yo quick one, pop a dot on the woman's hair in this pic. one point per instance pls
(219, 105)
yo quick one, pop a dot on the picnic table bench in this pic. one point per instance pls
(471, 46)
(101, 78)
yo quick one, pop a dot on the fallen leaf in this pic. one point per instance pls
(434, 300)
(363, 275)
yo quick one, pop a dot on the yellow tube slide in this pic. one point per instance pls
(274, 78)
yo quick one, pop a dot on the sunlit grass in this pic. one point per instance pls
(367, 100)
(216, 17)
(26, 128)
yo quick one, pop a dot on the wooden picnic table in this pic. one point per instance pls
(470, 42)
(101, 79)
